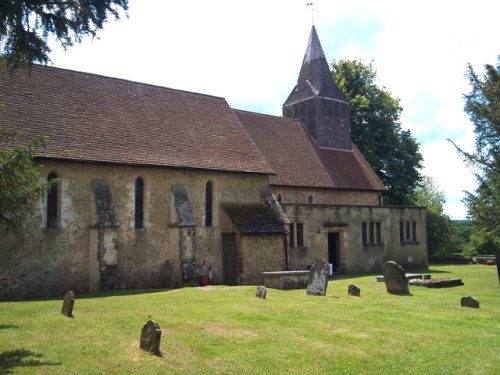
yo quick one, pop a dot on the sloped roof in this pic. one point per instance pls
(298, 162)
(288, 150)
(253, 219)
(93, 118)
(315, 78)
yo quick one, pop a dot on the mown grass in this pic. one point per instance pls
(226, 330)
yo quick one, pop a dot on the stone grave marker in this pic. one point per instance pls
(189, 271)
(353, 290)
(68, 303)
(469, 302)
(395, 278)
(261, 292)
(150, 337)
(318, 278)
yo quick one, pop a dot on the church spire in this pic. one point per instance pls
(318, 102)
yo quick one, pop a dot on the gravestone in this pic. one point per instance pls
(261, 292)
(469, 302)
(395, 278)
(189, 271)
(318, 278)
(497, 259)
(150, 337)
(68, 303)
(353, 290)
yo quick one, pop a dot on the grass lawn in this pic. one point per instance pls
(227, 330)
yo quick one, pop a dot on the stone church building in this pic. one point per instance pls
(152, 181)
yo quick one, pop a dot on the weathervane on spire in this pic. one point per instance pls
(312, 12)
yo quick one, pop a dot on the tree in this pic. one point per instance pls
(391, 151)
(440, 232)
(26, 25)
(482, 104)
(20, 185)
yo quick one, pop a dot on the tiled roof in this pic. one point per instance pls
(298, 162)
(101, 119)
(315, 78)
(254, 219)
(288, 150)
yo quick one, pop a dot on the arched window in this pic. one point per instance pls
(310, 199)
(52, 202)
(139, 203)
(279, 198)
(208, 204)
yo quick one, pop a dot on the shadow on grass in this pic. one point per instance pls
(6, 326)
(121, 292)
(21, 358)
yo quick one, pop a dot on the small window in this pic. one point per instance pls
(407, 231)
(208, 204)
(139, 203)
(407, 234)
(300, 234)
(414, 231)
(401, 231)
(371, 232)
(310, 199)
(52, 201)
(291, 233)
(336, 109)
(279, 198)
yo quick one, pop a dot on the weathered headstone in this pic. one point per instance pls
(353, 290)
(68, 303)
(497, 259)
(318, 278)
(395, 278)
(150, 337)
(469, 302)
(189, 271)
(261, 292)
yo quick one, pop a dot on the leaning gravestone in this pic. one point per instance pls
(395, 278)
(68, 303)
(469, 302)
(261, 292)
(353, 290)
(318, 278)
(150, 337)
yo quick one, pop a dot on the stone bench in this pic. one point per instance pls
(286, 280)
(409, 276)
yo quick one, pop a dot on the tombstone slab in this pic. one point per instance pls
(318, 278)
(150, 337)
(68, 303)
(395, 278)
(469, 302)
(353, 290)
(261, 292)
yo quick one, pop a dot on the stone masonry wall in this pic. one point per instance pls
(356, 256)
(38, 261)
(291, 195)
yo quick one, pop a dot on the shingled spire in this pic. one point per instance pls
(318, 102)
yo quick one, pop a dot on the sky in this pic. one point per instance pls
(250, 53)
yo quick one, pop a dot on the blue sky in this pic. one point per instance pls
(250, 53)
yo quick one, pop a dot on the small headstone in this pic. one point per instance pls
(469, 302)
(353, 290)
(189, 271)
(395, 278)
(150, 337)
(68, 303)
(318, 278)
(261, 292)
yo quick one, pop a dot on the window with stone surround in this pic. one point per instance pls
(408, 232)
(371, 233)
(52, 202)
(296, 235)
(310, 199)
(139, 203)
(208, 204)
